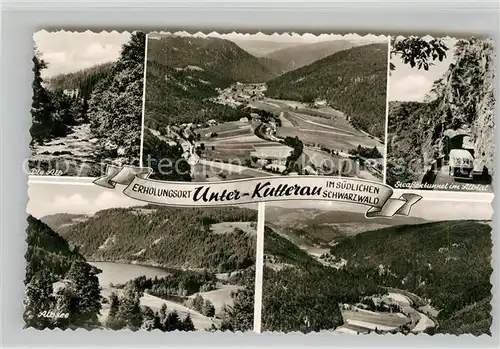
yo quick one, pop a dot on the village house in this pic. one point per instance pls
(276, 155)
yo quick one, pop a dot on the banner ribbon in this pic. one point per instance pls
(377, 196)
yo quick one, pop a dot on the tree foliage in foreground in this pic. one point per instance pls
(418, 52)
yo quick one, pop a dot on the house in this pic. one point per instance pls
(320, 104)
(276, 155)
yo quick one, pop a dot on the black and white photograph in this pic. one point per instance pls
(327, 268)
(441, 113)
(97, 259)
(233, 106)
(87, 102)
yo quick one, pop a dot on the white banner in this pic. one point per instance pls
(377, 196)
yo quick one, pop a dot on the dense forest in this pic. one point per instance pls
(168, 236)
(447, 262)
(462, 99)
(83, 80)
(353, 81)
(156, 151)
(183, 72)
(101, 105)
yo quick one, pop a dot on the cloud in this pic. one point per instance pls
(410, 88)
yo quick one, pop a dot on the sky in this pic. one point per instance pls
(411, 84)
(67, 52)
(78, 197)
(47, 199)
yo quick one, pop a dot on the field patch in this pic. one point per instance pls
(230, 227)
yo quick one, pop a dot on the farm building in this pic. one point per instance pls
(272, 155)
(320, 104)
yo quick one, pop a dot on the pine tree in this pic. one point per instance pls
(239, 317)
(39, 300)
(208, 308)
(148, 319)
(172, 322)
(41, 107)
(187, 324)
(114, 302)
(64, 305)
(130, 308)
(113, 321)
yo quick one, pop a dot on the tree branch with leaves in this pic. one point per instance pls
(417, 52)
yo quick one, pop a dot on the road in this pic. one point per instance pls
(443, 178)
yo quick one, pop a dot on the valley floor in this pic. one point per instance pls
(242, 149)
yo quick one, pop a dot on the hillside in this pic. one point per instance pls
(262, 48)
(315, 227)
(297, 56)
(47, 251)
(182, 72)
(462, 100)
(60, 220)
(447, 263)
(353, 81)
(166, 236)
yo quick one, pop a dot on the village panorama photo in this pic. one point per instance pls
(232, 106)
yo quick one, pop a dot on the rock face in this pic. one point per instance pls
(469, 95)
(462, 103)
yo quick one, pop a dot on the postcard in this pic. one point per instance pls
(251, 182)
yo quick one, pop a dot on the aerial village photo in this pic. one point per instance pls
(233, 106)
(441, 114)
(87, 102)
(327, 268)
(97, 259)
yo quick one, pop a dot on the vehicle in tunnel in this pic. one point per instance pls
(461, 163)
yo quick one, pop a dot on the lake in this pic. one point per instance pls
(120, 273)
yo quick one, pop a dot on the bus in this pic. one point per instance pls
(461, 163)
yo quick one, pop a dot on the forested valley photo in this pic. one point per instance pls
(223, 107)
(87, 102)
(336, 271)
(139, 267)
